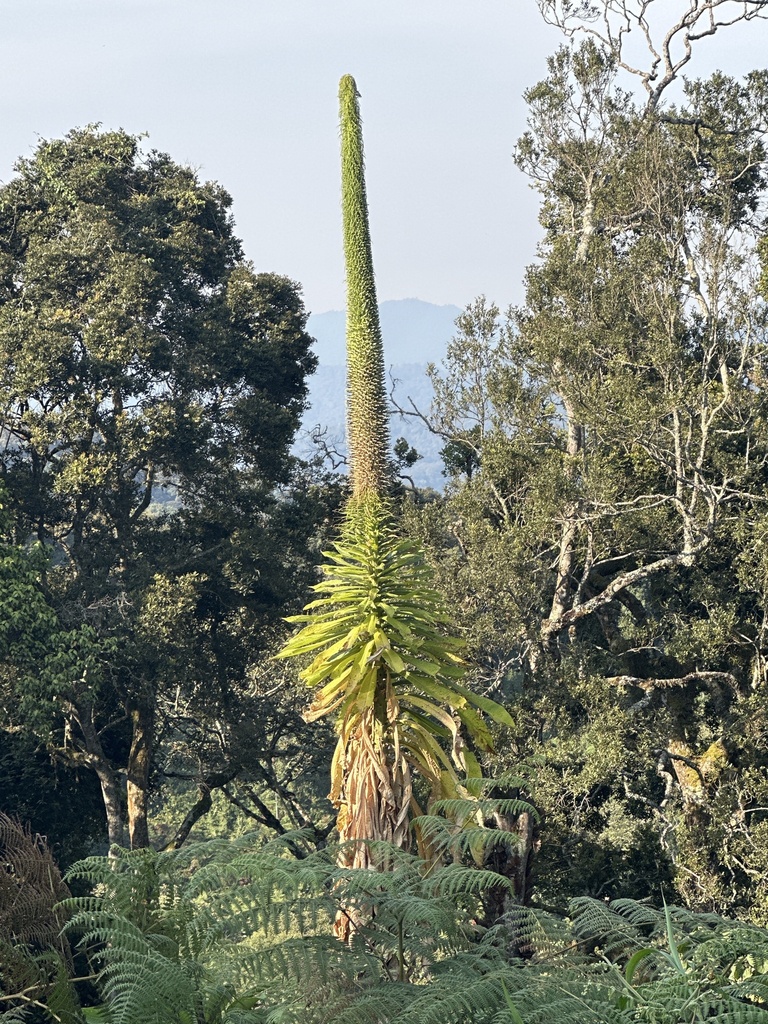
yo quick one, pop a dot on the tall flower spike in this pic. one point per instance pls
(367, 429)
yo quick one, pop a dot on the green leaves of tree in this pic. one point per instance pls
(150, 386)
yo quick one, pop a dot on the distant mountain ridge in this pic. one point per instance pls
(415, 333)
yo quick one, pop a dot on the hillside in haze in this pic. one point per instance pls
(415, 333)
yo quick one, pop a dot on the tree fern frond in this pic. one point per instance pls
(540, 935)
(457, 996)
(35, 984)
(219, 942)
(596, 920)
(464, 808)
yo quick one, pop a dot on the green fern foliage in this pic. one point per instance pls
(242, 932)
(627, 961)
(473, 828)
(36, 985)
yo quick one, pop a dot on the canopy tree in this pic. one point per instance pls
(150, 386)
(666, 32)
(608, 445)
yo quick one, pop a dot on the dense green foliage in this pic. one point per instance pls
(242, 931)
(150, 386)
(601, 544)
(604, 530)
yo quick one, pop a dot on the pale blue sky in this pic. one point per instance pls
(245, 90)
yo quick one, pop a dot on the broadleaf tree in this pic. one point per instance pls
(605, 525)
(150, 386)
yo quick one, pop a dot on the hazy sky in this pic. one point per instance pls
(245, 91)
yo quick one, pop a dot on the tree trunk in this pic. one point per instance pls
(139, 762)
(110, 791)
(563, 596)
(516, 866)
(94, 757)
(373, 800)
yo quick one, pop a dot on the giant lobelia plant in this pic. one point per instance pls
(383, 664)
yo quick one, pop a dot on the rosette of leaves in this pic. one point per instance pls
(386, 668)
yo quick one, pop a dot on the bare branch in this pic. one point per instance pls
(552, 626)
(327, 448)
(200, 808)
(676, 681)
(611, 22)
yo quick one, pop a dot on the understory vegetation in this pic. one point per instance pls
(537, 698)
(242, 930)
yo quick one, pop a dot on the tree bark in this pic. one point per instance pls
(110, 791)
(94, 757)
(139, 763)
(627, 579)
(563, 596)
(516, 866)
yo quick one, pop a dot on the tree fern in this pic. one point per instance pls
(246, 933)
(457, 829)
(628, 961)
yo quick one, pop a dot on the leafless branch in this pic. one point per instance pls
(668, 50)
(327, 448)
